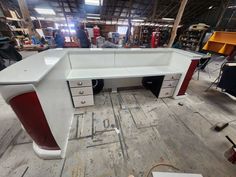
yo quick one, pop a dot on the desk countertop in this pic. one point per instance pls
(31, 69)
(34, 68)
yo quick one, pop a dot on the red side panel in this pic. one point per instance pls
(29, 111)
(188, 77)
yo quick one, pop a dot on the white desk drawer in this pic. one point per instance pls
(81, 91)
(80, 83)
(172, 77)
(172, 83)
(82, 101)
(166, 92)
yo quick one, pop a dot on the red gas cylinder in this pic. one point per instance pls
(96, 33)
(155, 39)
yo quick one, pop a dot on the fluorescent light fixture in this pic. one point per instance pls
(73, 31)
(95, 18)
(56, 25)
(108, 22)
(45, 11)
(210, 7)
(168, 19)
(89, 14)
(93, 2)
(137, 20)
(122, 29)
(232, 7)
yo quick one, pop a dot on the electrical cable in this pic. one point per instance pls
(161, 164)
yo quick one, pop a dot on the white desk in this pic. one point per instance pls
(37, 88)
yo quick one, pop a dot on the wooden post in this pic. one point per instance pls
(26, 16)
(154, 10)
(177, 21)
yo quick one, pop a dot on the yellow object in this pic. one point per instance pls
(221, 42)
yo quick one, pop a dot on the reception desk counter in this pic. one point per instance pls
(44, 89)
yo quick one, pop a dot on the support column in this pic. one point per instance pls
(26, 16)
(177, 21)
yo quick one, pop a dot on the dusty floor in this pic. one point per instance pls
(129, 132)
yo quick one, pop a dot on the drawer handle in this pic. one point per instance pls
(80, 83)
(173, 77)
(81, 92)
(83, 102)
(167, 93)
(170, 85)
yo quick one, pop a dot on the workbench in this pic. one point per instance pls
(44, 89)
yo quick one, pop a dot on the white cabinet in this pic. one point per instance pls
(169, 85)
(82, 101)
(81, 92)
(172, 77)
(80, 83)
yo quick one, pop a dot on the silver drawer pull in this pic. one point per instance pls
(80, 83)
(83, 102)
(81, 92)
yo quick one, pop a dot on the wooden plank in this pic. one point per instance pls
(103, 115)
(140, 103)
(22, 138)
(187, 150)
(90, 162)
(85, 125)
(177, 22)
(9, 130)
(26, 15)
(20, 160)
(73, 129)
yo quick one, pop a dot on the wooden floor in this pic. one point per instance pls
(127, 133)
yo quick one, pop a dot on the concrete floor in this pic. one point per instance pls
(129, 132)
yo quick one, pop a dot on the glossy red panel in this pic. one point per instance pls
(29, 111)
(188, 77)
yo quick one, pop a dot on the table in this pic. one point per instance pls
(37, 87)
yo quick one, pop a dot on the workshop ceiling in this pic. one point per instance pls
(152, 11)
